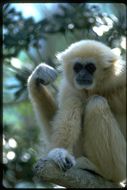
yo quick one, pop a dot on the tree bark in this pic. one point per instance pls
(75, 177)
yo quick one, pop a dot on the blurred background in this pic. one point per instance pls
(34, 33)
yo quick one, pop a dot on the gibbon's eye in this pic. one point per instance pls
(90, 67)
(77, 67)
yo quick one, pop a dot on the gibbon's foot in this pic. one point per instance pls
(96, 102)
(62, 158)
(38, 167)
(43, 74)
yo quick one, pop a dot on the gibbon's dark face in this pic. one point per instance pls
(84, 75)
(88, 64)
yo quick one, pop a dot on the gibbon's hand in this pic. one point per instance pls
(44, 74)
(62, 158)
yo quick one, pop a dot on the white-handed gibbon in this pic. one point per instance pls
(90, 119)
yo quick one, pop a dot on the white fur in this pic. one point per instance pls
(91, 121)
(102, 136)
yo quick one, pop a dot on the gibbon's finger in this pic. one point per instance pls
(65, 162)
(46, 74)
(48, 70)
(69, 163)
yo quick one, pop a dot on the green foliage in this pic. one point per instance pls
(74, 20)
(19, 149)
(26, 43)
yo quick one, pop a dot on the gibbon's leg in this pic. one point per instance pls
(66, 131)
(104, 144)
(42, 101)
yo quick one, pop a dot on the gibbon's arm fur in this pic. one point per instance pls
(42, 101)
(91, 117)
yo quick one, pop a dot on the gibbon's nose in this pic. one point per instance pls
(85, 76)
(83, 73)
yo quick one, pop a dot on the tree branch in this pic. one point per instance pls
(75, 177)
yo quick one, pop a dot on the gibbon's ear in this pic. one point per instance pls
(112, 58)
(115, 54)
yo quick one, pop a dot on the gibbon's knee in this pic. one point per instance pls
(99, 115)
(96, 103)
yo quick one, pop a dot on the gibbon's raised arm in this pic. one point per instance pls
(43, 103)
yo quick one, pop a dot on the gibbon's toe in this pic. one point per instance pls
(62, 158)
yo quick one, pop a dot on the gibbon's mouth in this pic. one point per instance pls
(84, 82)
